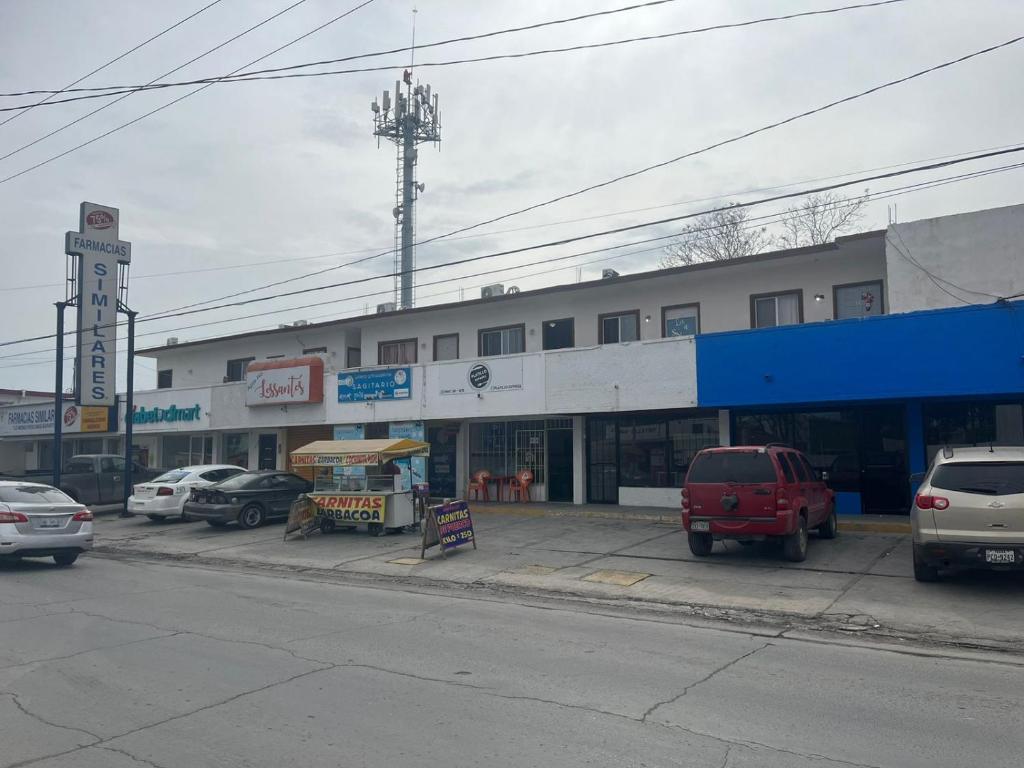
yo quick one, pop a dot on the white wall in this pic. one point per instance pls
(981, 251)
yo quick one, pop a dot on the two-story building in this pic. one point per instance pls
(868, 354)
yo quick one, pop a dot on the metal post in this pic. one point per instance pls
(408, 180)
(129, 407)
(58, 398)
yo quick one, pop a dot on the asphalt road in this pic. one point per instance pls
(117, 664)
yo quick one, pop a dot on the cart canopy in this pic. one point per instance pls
(356, 453)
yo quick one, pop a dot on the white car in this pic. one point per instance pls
(37, 520)
(165, 496)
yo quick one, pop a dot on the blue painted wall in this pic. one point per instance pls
(937, 353)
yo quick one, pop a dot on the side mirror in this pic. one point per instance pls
(824, 476)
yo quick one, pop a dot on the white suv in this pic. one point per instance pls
(969, 512)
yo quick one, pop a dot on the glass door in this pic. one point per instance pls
(602, 462)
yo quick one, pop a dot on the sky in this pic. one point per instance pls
(245, 184)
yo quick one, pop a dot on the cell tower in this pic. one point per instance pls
(413, 120)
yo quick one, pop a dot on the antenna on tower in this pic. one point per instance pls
(410, 120)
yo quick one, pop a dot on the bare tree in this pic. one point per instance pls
(717, 236)
(820, 218)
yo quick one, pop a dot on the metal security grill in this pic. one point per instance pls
(529, 452)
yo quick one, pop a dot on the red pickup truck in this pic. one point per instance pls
(753, 493)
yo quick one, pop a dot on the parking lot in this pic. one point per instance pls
(860, 582)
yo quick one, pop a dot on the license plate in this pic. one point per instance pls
(700, 525)
(1000, 556)
(48, 524)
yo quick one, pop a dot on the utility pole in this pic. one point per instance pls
(412, 121)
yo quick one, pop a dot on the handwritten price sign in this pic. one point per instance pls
(448, 526)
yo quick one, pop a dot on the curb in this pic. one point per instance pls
(851, 523)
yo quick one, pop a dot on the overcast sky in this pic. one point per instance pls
(246, 184)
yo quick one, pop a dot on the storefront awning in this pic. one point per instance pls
(356, 453)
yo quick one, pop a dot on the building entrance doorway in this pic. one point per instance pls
(560, 465)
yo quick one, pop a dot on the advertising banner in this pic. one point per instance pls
(350, 509)
(95, 418)
(498, 374)
(349, 432)
(283, 382)
(413, 469)
(448, 526)
(172, 411)
(388, 384)
(37, 419)
(335, 460)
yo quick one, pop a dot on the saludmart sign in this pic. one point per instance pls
(173, 411)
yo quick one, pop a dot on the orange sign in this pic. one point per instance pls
(95, 418)
(350, 509)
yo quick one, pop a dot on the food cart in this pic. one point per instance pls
(377, 494)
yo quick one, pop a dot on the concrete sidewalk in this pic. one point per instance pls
(860, 582)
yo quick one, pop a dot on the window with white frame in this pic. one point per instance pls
(770, 310)
(510, 340)
(396, 352)
(619, 327)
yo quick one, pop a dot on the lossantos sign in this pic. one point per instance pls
(99, 252)
(280, 382)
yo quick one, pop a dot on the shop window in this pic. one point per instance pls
(857, 300)
(559, 334)
(446, 347)
(768, 310)
(187, 450)
(619, 327)
(235, 449)
(353, 357)
(164, 379)
(967, 424)
(682, 320)
(506, 447)
(510, 340)
(656, 451)
(236, 369)
(376, 430)
(401, 352)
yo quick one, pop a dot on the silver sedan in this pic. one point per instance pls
(38, 520)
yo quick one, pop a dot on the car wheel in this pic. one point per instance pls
(65, 558)
(701, 543)
(156, 518)
(923, 571)
(829, 528)
(375, 529)
(794, 546)
(216, 523)
(252, 516)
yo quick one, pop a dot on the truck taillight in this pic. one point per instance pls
(163, 490)
(926, 501)
(684, 496)
(781, 499)
(82, 516)
(12, 517)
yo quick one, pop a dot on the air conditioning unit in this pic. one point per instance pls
(387, 306)
(490, 291)
(172, 340)
(608, 273)
(300, 323)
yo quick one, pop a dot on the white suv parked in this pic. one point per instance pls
(969, 512)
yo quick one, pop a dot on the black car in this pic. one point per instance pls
(249, 498)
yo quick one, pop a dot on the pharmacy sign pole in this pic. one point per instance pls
(98, 286)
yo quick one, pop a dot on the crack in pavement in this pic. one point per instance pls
(48, 659)
(129, 755)
(859, 576)
(39, 718)
(704, 679)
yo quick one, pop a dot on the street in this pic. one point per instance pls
(123, 663)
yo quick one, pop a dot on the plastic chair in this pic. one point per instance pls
(478, 484)
(519, 486)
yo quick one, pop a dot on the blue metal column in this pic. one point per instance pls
(916, 449)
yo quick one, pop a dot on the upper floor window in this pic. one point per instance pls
(315, 351)
(446, 347)
(618, 327)
(768, 310)
(236, 369)
(559, 334)
(681, 320)
(164, 379)
(857, 300)
(401, 352)
(353, 357)
(510, 340)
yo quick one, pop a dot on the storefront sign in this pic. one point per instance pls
(448, 526)
(388, 384)
(160, 415)
(336, 460)
(171, 410)
(282, 382)
(99, 252)
(351, 509)
(492, 375)
(95, 418)
(37, 419)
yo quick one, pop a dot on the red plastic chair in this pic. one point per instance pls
(478, 484)
(519, 486)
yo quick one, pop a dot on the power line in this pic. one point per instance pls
(114, 60)
(129, 93)
(185, 96)
(270, 74)
(567, 240)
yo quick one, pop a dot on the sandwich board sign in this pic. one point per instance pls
(447, 526)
